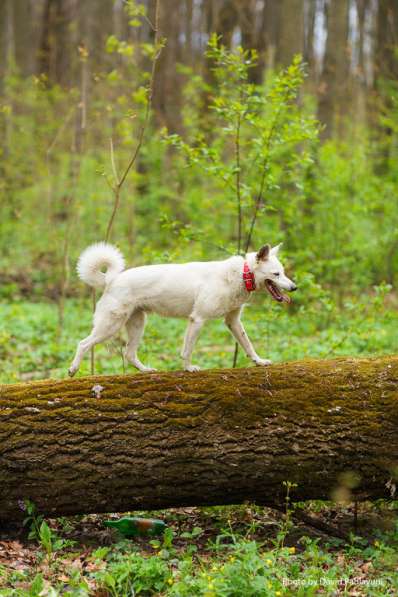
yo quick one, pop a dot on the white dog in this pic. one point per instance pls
(196, 291)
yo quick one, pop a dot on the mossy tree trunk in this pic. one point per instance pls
(158, 440)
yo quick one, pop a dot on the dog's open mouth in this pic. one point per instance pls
(276, 293)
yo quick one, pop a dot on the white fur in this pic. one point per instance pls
(197, 291)
(96, 257)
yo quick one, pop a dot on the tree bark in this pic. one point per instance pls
(226, 21)
(386, 62)
(253, 25)
(290, 32)
(310, 8)
(167, 88)
(386, 72)
(334, 88)
(55, 51)
(217, 437)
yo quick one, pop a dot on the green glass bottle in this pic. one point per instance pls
(130, 526)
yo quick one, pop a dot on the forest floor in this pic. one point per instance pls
(236, 551)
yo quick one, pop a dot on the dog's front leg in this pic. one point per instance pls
(234, 323)
(191, 335)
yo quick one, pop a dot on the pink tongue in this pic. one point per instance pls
(279, 296)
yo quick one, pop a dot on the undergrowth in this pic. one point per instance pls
(244, 551)
(31, 346)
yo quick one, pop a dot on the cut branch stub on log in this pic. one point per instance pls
(216, 437)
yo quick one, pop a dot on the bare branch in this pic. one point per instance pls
(260, 194)
(115, 174)
(238, 182)
(143, 127)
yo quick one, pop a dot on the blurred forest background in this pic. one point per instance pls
(316, 137)
(348, 45)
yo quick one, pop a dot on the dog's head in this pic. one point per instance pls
(270, 274)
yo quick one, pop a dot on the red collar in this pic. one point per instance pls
(248, 278)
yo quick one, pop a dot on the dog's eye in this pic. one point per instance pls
(275, 274)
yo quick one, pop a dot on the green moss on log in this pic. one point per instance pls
(213, 437)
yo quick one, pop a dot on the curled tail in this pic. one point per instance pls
(96, 257)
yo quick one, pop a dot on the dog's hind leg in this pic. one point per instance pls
(135, 330)
(234, 323)
(102, 330)
(191, 335)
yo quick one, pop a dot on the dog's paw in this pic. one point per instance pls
(148, 370)
(262, 362)
(71, 371)
(192, 368)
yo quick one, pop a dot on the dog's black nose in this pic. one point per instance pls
(293, 288)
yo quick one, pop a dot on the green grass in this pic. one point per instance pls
(31, 346)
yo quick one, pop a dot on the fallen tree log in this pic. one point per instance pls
(118, 443)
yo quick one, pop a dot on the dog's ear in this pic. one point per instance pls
(275, 250)
(263, 253)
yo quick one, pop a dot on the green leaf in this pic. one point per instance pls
(37, 585)
(112, 44)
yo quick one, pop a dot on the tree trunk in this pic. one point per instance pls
(361, 65)
(226, 21)
(9, 34)
(56, 52)
(253, 25)
(290, 33)
(217, 437)
(167, 88)
(386, 73)
(386, 62)
(310, 9)
(333, 108)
